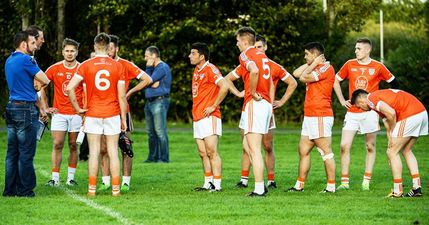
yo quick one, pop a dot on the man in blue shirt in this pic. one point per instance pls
(22, 116)
(156, 106)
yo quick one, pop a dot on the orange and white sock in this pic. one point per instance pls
(397, 186)
(299, 183)
(366, 178)
(217, 180)
(92, 185)
(270, 177)
(416, 181)
(244, 177)
(116, 181)
(345, 179)
(208, 177)
(56, 175)
(330, 186)
(71, 171)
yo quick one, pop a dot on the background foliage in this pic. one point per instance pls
(174, 25)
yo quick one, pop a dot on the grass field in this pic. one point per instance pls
(162, 193)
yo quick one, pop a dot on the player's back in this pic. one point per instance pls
(101, 75)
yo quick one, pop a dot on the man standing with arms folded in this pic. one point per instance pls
(318, 76)
(131, 72)
(64, 118)
(107, 106)
(22, 116)
(257, 107)
(277, 73)
(208, 90)
(363, 73)
(405, 119)
(156, 105)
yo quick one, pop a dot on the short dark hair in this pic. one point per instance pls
(34, 30)
(114, 39)
(247, 31)
(153, 50)
(357, 94)
(20, 37)
(315, 46)
(69, 41)
(102, 39)
(364, 40)
(202, 48)
(261, 39)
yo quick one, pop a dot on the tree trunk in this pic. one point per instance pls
(25, 21)
(331, 16)
(60, 23)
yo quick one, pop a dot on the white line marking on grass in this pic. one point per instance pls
(106, 210)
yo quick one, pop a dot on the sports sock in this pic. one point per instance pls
(217, 182)
(299, 183)
(71, 171)
(244, 177)
(416, 181)
(397, 186)
(92, 185)
(330, 186)
(366, 178)
(126, 180)
(106, 180)
(56, 175)
(259, 188)
(208, 177)
(345, 179)
(115, 185)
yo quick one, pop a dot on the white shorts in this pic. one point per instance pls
(272, 122)
(412, 126)
(256, 117)
(69, 123)
(363, 123)
(207, 127)
(317, 127)
(106, 126)
(130, 125)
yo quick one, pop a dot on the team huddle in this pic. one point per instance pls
(92, 96)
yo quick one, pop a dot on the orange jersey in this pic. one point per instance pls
(318, 94)
(60, 76)
(102, 75)
(250, 55)
(277, 72)
(404, 103)
(205, 90)
(363, 76)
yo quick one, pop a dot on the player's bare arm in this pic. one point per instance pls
(71, 92)
(337, 88)
(389, 113)
(223, 90)
(254, 76)
(123, 104)
(297, 72)
(291, 86)
(229, 80)
(40, 80)
(307, 76)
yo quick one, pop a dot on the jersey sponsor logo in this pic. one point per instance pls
(371, 71)
(64, 86)
(361, 82)
(194, 89)
(201, 76)
(362, 70)
(195, 76)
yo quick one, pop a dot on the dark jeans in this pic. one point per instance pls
(22, 125)
(156, 125)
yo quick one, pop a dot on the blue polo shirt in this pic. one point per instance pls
(161, 73)
(20, 70)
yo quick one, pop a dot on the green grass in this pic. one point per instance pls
(161, 193)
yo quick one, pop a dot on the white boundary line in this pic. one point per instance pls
(106, 210)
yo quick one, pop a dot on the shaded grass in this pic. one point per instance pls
(162, 193)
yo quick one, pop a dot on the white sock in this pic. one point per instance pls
(207, 179)
(56, 177)
(397, 187)
(330, 187)
(416, 181)
(70, 173)
(244, 180)
(106, 180)
(126, 180)
(217, 183)
(259, 187)
(299, 185)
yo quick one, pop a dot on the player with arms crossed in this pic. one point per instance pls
(107, 106)
(362, 73)
(319, 76)
(64, 118)
(405, 119)
(208, 90)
